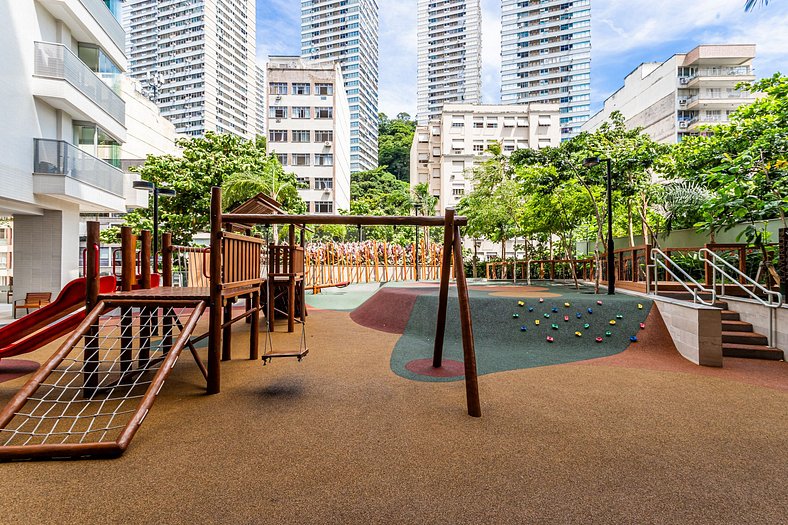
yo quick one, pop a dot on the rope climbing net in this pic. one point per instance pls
(97, 388)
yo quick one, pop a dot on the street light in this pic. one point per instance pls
(611, 265)
(155, 81)
(156, 191)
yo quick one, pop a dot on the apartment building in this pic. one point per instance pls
(65, 124)
(449, 48)
(447, 148)
(347, 32)
(546, 57)
(197, 57)
(308, 127)
(260, 101)
(674, 98)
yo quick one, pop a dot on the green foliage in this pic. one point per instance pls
(110, 235)
(206, 162)
(378, 192)
(395, 137)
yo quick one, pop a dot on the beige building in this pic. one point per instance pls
(675, 98)
(446, 149)
(308, 127)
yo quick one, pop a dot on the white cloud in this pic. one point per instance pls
(397, 57)
(491, 51)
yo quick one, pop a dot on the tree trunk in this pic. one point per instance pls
(630, 224)
(503, 259)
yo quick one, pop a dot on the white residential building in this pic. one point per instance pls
(446, 149)
(546, 57)
(347, 31)
(449, 36)
(65, 123)
(674, 98)
(308, 127)
(260, 101)
(197, 57)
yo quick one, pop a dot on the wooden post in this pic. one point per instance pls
(215, 316)
(147, 313)
(227, 331)
(166, 254)
(126, 318)
(443, 296)
(90, 358)
(145, 261)
(254, 329)
(466, 324)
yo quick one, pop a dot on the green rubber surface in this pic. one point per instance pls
(500, 343)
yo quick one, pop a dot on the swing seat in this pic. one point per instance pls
(297, 355)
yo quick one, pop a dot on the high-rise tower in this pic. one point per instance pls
(197, 60)
(546, 57)
(449, 55)
(347, 32)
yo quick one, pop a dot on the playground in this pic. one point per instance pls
(589, 412)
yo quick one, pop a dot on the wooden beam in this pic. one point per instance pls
(355, 220)
(469, 353)
(440, 329)
(215, 315)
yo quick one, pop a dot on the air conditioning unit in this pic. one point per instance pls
(327, 144)
(683, 102)
(279, 120)
(278, 97)
(683, 124)
(683, 80)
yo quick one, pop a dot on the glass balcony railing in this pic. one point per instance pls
(107, 14)
(58, 157)
(58, 62)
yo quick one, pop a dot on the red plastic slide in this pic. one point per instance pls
(49, 322)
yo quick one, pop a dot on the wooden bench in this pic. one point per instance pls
(32, 300)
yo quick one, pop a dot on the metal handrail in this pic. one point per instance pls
(738, 273)
(656, 253)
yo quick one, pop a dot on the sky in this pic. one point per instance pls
(624, 33)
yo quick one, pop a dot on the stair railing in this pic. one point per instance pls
(719, 266)
(660, 259)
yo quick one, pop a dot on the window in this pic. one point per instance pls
(277, 88)
(324, 113)
(303, 182)
(300, 88)
(436, 131)
(324, 135)
(423, 137)
(300, 159)
(3, 261)
(324, 183)
(324, 89)
(300, 112)
(478, 148)
(458, 121)
(277, 135)
(478, 123)
(508, 122)
(277, 112)
(436, 152)
(436, 172)
(324, 207)
(282, 158)
(301, 135)
(458, 191)
(324, 159)
(492, 123)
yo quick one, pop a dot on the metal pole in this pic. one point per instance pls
(611, 265)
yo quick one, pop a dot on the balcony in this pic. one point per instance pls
(62, 170)
(61, 73)
(91, 21)
(719, 100)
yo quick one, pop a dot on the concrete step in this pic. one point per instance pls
(736, 326)
(730, 315)
(746, 338)
(751, 351)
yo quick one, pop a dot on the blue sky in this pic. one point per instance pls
(624, 34)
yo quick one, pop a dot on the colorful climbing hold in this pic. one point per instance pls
(633, 338)
(554, 309)
(567, 305)
(515, 316)
(619, 316)
(642, 326)
(554, 326)
(566, 318)
(523, 329)
(520, 303)
(590, 311)
(612, 321)
(599, 302)
(608, 333)
(549, 339)
(640, 306)
(579, 315)
(579, 334)
(547, 316)
(541, 300)
(530, 308)
(598, 339)
(536, 322)
(586, 326)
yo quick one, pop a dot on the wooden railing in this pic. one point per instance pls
(241, 260)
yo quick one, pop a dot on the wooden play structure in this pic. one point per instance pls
(90, 397)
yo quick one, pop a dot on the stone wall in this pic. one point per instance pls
(696, 330)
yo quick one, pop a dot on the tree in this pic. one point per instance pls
(378, 192)
(395, 137)
(206, 162)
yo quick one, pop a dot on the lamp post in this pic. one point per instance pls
(154, 80)
(156, 191)
(611, 265)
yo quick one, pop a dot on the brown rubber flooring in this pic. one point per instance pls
(338, 438)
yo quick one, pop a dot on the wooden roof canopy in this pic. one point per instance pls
(260, 204)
